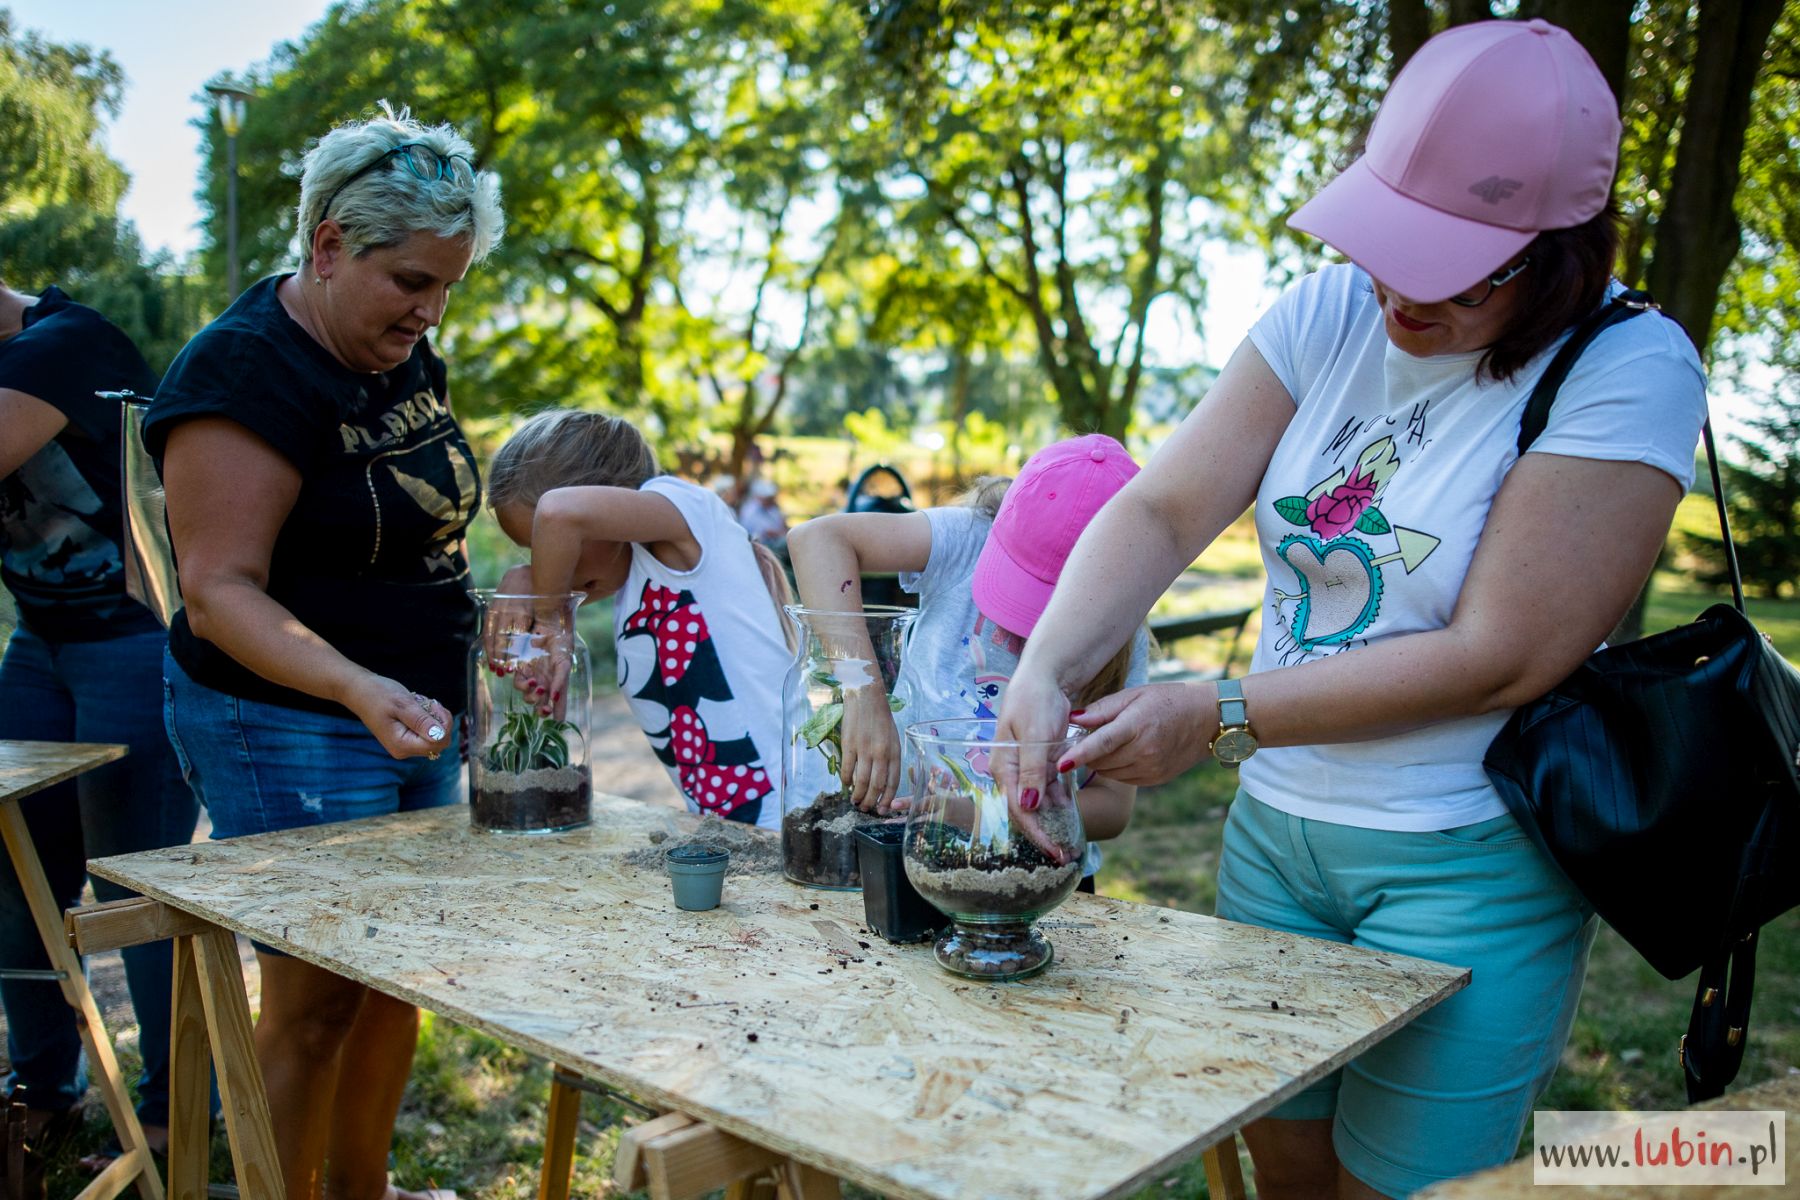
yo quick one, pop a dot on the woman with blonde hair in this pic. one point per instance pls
(318, 488)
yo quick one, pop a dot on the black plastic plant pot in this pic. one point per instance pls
(697, 873)
(891, 905)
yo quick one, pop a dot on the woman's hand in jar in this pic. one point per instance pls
(1033, 710)
(1051, 807)
(870, 769)
(406, 723)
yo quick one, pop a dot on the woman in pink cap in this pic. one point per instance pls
(1424, 579)
(983, 571)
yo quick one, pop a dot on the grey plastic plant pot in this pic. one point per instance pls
(891, 905)
(698, 875)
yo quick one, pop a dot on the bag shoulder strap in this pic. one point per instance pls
(1622, 307)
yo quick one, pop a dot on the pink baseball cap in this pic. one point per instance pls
(1492, 132)
(1046, 508)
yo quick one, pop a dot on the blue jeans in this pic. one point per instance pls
(108, 691)
(263, 767)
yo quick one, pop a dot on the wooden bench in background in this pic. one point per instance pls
(1225, 623)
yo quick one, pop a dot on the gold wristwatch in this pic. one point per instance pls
(1234, 742)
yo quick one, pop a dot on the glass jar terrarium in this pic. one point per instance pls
(844, 670)
(528, 707)
(990, 864)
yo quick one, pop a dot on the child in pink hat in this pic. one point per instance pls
(983, 571)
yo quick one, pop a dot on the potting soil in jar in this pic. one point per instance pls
(968, 882)
(818, 842)
(535, 801)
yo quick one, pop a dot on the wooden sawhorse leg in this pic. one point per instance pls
(211, 1021)
(676, 1157)
(135, 1164)
(559, 1139)
(1224, 1175)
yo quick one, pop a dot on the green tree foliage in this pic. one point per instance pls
(52, 101)
(1059, 149)
(1762, 498)
(671, 178)
(717, 204)
(60, 190)
(101, 262)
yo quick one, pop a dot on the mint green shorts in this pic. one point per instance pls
(1449, 1093)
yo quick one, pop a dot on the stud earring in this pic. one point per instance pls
(318, 280)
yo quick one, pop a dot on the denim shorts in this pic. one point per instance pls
(265, 767)
(1449, 1093)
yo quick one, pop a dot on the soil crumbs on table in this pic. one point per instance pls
(753, 851)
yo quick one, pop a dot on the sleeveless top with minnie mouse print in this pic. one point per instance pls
(701, 658)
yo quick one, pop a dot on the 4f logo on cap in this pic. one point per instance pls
(1494, 189)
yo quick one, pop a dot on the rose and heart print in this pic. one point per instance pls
(1339, 574)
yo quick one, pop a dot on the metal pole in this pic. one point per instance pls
(231, 249)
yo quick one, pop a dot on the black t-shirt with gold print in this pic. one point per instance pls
(371, 558)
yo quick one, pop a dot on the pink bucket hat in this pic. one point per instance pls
(1493, 132)
(1046, 508)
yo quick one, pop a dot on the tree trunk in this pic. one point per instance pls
(1462, 12)
(1408, 25)
(1603, 27)
(959, 410)
(1697, 233)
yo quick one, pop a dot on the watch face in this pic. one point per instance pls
(1233, 746)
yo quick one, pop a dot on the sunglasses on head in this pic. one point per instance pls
(422, 162)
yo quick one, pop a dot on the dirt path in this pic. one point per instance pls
(630, 768)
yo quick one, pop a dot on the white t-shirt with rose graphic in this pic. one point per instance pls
(1373, 502)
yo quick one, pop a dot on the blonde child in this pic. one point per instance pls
(697, 622)
(983, 571)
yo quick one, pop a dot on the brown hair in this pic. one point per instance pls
(984, 496)
(1567, 280)
(568, 447)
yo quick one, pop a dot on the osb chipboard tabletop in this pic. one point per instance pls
(1513, 1181)
(27, 767)
(778, 1017)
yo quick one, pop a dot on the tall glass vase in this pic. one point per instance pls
(845, 669)
(991, 861)
(529, 709)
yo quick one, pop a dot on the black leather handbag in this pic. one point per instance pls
(1663, 778)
